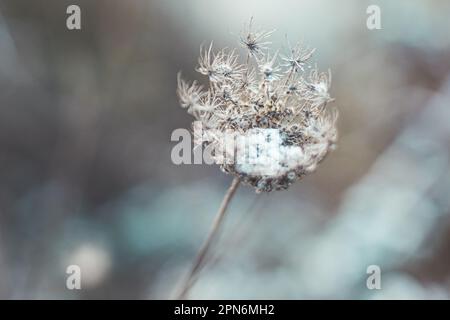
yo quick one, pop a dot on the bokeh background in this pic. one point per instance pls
(86, 176)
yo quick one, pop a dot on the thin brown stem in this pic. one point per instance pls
(239, 232)
(202, 253)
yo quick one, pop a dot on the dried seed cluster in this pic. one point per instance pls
(281, 99)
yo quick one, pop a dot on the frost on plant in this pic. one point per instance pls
(274, 106)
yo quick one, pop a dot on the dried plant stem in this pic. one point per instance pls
(202, 253)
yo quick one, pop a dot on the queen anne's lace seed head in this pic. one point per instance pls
(254, 41)
(266, 122)
(189, 95)
(219, 67)
(317, 87)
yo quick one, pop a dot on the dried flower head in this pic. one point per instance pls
(254, 41)
(265, 121)
(297, 58)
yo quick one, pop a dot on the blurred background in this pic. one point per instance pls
(86, 176)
